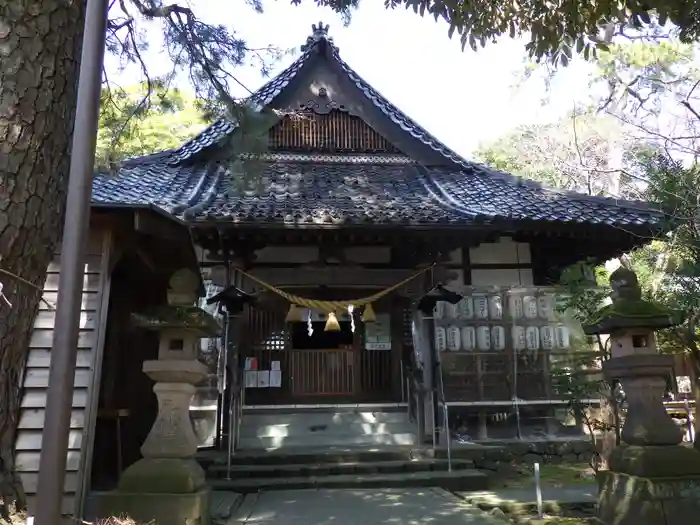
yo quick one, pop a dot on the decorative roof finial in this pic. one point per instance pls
(318, 33)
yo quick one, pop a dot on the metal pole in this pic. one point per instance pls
(52, 465)
(232, 407)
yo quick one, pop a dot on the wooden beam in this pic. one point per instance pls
(148, 222)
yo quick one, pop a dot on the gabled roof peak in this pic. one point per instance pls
(318, 32)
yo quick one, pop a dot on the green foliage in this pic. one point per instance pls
(133, 124)
(674, 264)
(585, 288)
(557, 28)
(658, 60)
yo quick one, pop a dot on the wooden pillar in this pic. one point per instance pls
(482, 431)
(546, 377)
(358, 344)
(397, 348)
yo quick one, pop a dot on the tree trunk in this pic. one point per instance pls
(39, 57)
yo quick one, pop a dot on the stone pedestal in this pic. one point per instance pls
(153, 508)
(653, 479)
(643, 379)
(171, 444)
(167, 486)
(650, 486)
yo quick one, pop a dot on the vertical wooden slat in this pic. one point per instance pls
(321, 372)
(335, 131)
(35, 382)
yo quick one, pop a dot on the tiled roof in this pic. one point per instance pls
(261, 98)
(327, 193)
(346, 189)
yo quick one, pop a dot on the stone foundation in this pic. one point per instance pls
(494, 455)
(500, 456)
(633, 500)
(152, 508)
(654, 485)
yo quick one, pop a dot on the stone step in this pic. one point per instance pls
(457, 480)
(328, 428)
(334, 468)
(323, 440)
(320, 417)
(307, 455)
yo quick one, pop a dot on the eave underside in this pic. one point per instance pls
(563, 244)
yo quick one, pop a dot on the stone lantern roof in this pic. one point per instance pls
(629, 310)
(180, 312)
(166, 317)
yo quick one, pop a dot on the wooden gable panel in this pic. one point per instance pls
(335, 132)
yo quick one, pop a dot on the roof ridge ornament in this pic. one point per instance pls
(318, 33)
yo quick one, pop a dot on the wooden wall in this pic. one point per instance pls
(30, 434)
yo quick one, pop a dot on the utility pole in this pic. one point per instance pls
(54, 446)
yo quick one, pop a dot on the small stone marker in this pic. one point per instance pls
(538, 490)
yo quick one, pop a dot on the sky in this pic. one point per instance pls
(464, 98)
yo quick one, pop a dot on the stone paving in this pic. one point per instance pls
(359, 507)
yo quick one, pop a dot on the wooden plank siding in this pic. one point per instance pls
(36, 376)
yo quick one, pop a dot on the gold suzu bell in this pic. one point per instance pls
(332, 324)
(368, 316)
(294, 315)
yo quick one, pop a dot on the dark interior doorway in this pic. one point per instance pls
(320, 339)
(127, 406)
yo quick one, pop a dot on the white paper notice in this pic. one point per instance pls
(263, 378)
(276, 378)
(275, 365)
(251, 379)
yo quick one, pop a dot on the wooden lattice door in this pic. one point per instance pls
(265, 338)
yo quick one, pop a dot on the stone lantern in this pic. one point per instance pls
(167, 485)
(653, 479)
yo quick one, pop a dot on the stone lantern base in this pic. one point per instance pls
(152, 508)
(163, 476)
(650, 485)
(167, 486)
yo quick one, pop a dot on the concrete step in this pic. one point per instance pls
(323, 440)
(457, 480)
(329, 428)
(333, 468)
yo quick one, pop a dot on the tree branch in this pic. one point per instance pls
(28, 283)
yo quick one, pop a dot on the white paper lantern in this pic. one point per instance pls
(529, 307)
(518, 335)
(561, 334)
(515, 307)
(547, 337)
(483, 338)
(532, 338)
(454, 342)
(481, 307)
(440, 339)
(498, 337)
(545, 306)
(495, 307)
(439, 310)
(465, 308)
(450, 310)
(468, 338)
